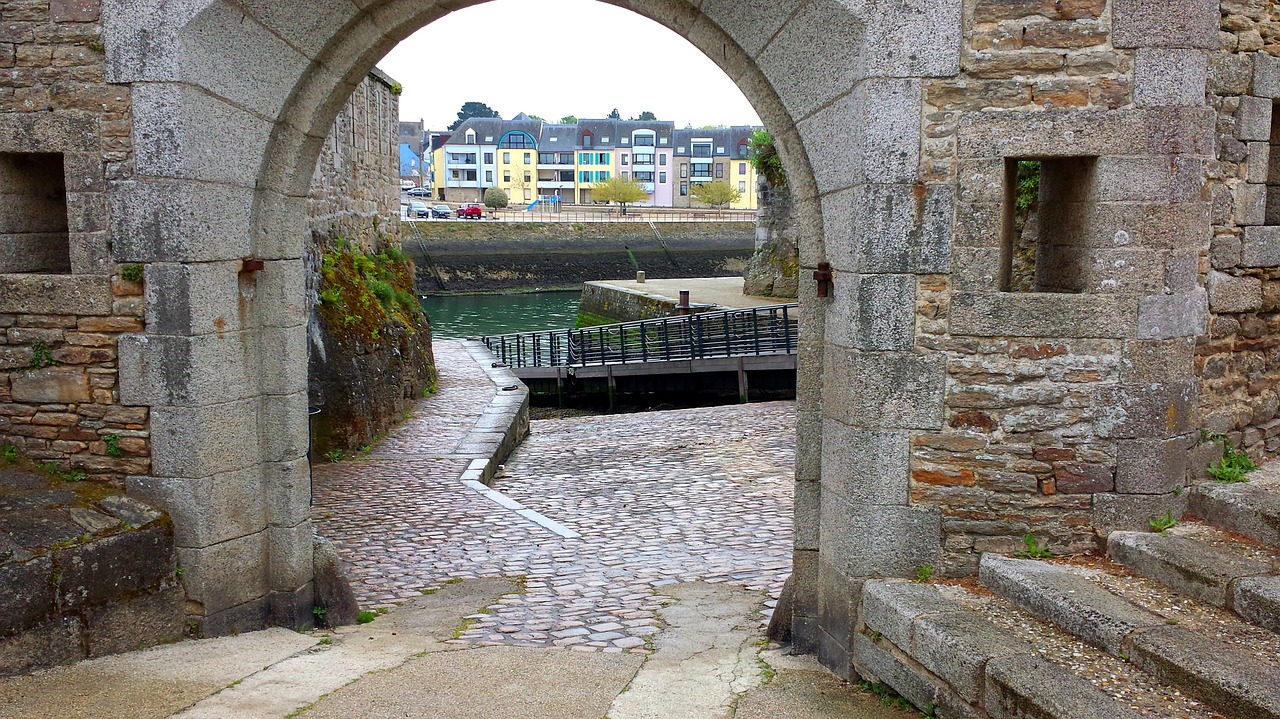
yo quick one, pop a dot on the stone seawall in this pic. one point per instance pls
(486, 257)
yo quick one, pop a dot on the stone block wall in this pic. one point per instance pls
(1237, 362)
(355, 193)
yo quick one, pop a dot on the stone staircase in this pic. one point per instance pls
(1176, 624)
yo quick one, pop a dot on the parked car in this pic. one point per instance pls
(441, 211)
(470, 211)
(418, 209)
(419, 192)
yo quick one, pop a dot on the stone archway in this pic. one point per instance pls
(899, 154)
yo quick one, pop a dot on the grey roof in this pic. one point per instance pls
(566, 137)
(496, 128)
(730, 138)
(614, 129)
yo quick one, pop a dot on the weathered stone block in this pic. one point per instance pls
(1164, 77)
(204, 441)
(1147, 411)
(1134, 512)
(108, 569)
(932, 30)
(1165, 23)
(957, 646)
(1003, 314)
(1257, 599)
(886, 312)
(891, 607)
(287, 491)
(866, 466)
(136, 623)
(56, 642)
(1253, 119)
(1266, 76)
(28, 596)
(880, 665)
(1228, 293)
(61, 385)
(74, 10)
(904, 229)
(885, 390)
(1022, 688)
(1081, 478)
(1169, 316)
(1249, 204)
(168, 370)
(824, 28)
(1261, 247)
(157, 220)
(879, 541)
(227, 575)
(55, 294)
(208, 510)
(289, 553)
(284, 421)
(890, 110)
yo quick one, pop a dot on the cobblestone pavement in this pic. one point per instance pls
(658, 498)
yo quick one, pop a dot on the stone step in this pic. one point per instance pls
(945, 657)
(1232, 681)
(1250, 508)
(1205, 564)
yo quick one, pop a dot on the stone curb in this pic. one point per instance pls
(1068, 600)
(955, 661)
(504, 423)
(1196, 569)
(1250, 508)
(1225, 678)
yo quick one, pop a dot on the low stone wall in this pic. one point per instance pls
(81, 577)
(603, 303)
(505, 422)
(59, 400)
(489, 257)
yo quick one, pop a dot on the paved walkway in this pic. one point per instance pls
(657, 498)
(722, 291)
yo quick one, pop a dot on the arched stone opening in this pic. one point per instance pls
(909, 454)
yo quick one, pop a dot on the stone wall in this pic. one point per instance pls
(66, 135)
(356, 189)
(1237, 361)
(774, 269)
(1058, 404)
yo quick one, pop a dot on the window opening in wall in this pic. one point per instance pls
(1048, 225)
(1273, 170)
(33, 213)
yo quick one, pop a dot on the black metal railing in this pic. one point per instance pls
(769, 330)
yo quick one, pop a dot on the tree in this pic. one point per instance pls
(473, 109)
(615, 115)
(536, 118)
(495, 198)
(619, 189)
(569, 120)
(647, 116)
(717, 194)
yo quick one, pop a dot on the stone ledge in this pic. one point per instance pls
(503, 425)
(55, 294)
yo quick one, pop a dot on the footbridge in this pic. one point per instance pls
(720, 351)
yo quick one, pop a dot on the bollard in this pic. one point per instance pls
(683, 308)
(640, 277)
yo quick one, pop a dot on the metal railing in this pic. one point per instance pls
(769, 330)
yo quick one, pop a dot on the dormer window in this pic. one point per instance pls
(586, 141)
(471, 137)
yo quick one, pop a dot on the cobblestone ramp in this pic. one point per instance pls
(658, 498)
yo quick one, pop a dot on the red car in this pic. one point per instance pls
(471, 211)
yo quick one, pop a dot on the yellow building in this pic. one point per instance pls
(518, 168)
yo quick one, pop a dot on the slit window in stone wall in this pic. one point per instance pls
(33, 213)
(1273, 171)
(1046, 231)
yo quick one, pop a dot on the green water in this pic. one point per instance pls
(462, 316)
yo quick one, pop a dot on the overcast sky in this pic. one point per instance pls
(587, 58)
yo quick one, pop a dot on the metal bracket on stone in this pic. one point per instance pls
(250, 264)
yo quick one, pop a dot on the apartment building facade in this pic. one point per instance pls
(547, 163)
(708, 155)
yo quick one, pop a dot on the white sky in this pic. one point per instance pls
(560, 57)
